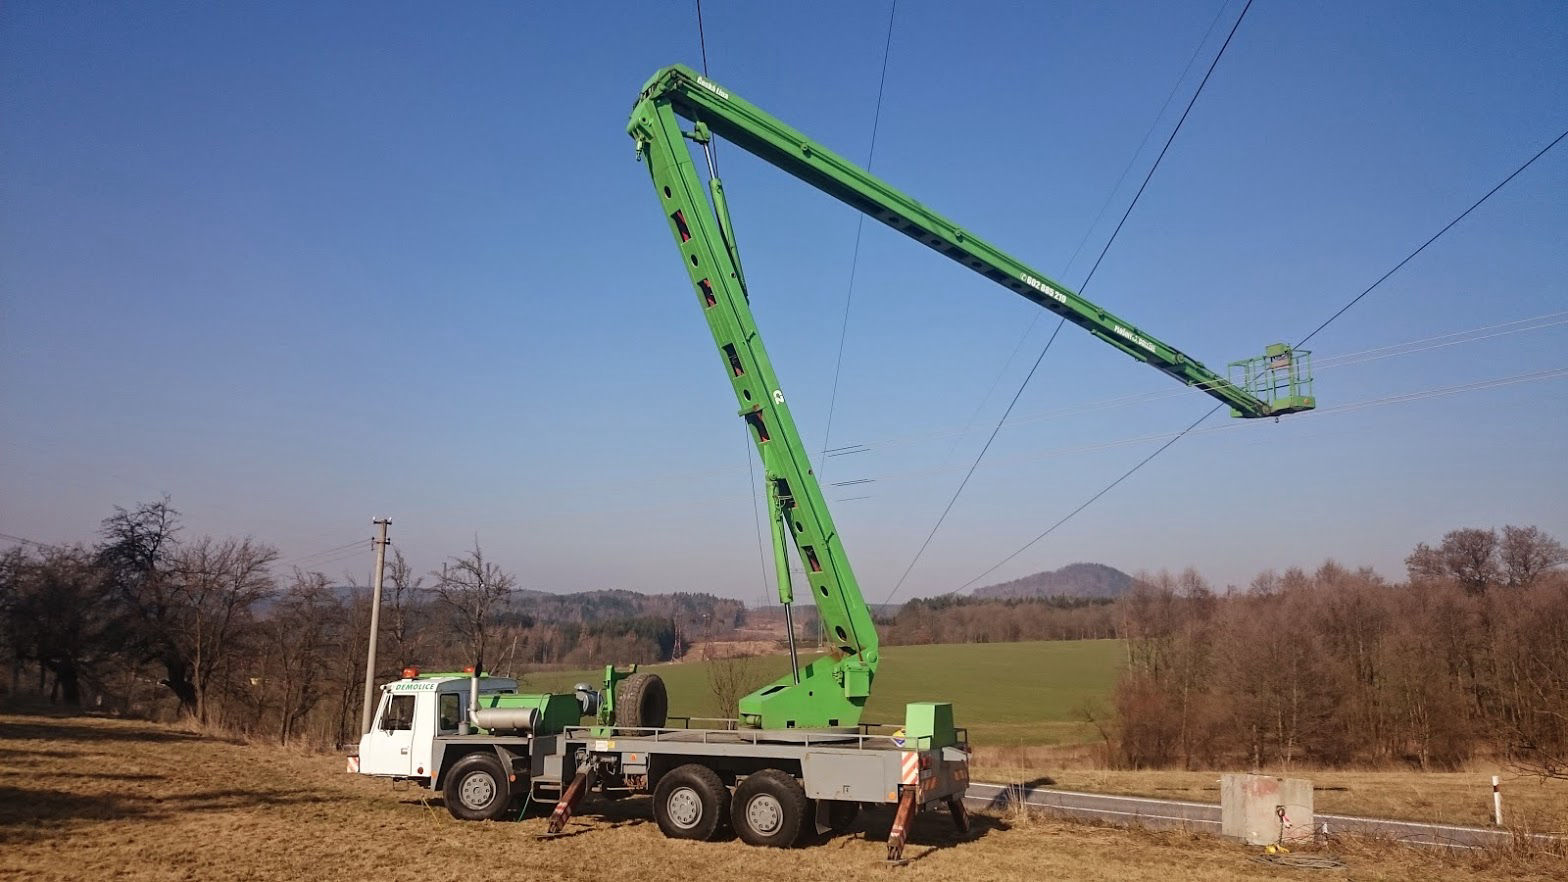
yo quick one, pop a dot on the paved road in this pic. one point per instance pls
(1205, 817)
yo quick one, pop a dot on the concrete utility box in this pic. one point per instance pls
(1250, 809)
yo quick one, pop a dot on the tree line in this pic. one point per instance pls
(954, 618)
(146, 621)
(1467, 657)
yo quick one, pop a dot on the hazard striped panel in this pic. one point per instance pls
(911, 769)
(353, 765)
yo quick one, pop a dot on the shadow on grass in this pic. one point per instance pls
(101, 776)
(26, 754)
(89, 729)
(32, 813)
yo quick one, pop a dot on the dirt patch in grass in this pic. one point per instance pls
(84, 798)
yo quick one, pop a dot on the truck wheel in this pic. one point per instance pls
(641, 702)
(691, 803)
(770, 808)
(476, 788)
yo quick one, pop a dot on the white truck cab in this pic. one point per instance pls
(413, 712)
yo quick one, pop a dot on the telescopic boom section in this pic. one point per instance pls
(832, 691)
(727, 115)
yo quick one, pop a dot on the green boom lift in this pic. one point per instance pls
(831, 691)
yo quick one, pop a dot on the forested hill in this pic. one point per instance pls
(1073, 580)
(692, 613)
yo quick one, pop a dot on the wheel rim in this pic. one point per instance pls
(684, 807)
(764, 814)
(477, 790)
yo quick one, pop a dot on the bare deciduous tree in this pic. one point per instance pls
(1526, 553)
(213, 586)
(472, 588)
(301, 630)
(1470, 555)
(403, 605)
(59, 612)
(731, 679)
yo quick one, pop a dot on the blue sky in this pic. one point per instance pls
(299, 265)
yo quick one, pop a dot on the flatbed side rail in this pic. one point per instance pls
(862, 740)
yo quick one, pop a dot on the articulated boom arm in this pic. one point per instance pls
(819, 695)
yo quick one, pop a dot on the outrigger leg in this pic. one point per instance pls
(901, 821)
(955, 804)
(570, 797)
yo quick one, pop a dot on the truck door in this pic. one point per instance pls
(388, 747)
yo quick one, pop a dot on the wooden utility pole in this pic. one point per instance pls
(381, 543)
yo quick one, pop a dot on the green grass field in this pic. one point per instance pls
(1004, 693)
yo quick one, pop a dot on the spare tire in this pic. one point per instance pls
(641, 702)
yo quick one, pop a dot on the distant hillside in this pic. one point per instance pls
(691, 613)
(1073, 580)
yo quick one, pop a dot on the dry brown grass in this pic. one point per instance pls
(1443, 797)
(89, 799)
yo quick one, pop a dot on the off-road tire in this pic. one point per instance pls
(691, 803)
(641, 702)
(770, 808)
(477, 789)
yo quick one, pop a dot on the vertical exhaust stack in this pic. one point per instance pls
(473, 696)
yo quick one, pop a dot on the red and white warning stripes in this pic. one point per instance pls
(911, 770)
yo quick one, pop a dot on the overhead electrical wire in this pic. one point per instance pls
(325, 552)
(1239, 425)
(1349, 359)
(1052, 452)
(1109, 196)
(1548, 374)
(1081, 289)
(23, 540)
(854, 258)
(1330, 320)
(1391, 350)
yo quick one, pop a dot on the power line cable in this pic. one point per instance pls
(1435, 236)
(1109, 196)
(972, 466)
(1163, 150)
(1341, 311)
(25, 541)
(1154, 124)
(1350, 359)
(1083, 287)
(326, 552)
(854, 258)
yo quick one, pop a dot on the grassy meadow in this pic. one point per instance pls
(1005, 693)
(85, 798)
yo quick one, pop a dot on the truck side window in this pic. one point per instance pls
(449, 712)
(399, 715)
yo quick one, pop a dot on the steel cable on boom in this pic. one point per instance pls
(854, 258)
(1081, 289)
(708, 152)
(1315, 331)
